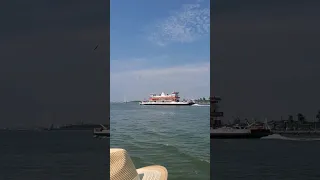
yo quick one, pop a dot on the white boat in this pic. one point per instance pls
(103, 131)
(237, 132)
(166, 99)
(228, 132)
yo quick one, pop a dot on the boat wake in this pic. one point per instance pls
(205, 105)
(279, 137)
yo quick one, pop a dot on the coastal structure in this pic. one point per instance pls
(246, 130)
(215, 114)
(74, 127)
(291, 127)
(218, 131)
(166, 99)
(202, 101)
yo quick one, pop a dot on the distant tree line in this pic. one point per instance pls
(302, 118)
(203, 99)
(300, 122)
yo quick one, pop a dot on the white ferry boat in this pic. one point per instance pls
(166, 99)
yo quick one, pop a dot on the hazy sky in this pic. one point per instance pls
(48, 67)
(265, 57)
(159, 46)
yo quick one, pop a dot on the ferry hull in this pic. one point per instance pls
(105, 133)
(167, 104)
(253, 134)
(102, 134)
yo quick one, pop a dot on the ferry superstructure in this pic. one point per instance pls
(166, 99)
(218, 131)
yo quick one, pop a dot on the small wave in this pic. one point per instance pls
(160, 147)
(204, 105)
(279, 137)
(203, 160)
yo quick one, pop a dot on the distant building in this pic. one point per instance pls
(215, 114)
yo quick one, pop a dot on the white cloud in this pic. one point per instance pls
(192, 80)
(185, 25)
(125, 65)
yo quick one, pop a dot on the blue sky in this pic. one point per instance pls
(159, 46)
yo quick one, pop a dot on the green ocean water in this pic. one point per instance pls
(176, 137)
(53, 155)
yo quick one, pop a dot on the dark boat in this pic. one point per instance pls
(247, 131)
(103, 131)
(232, 133)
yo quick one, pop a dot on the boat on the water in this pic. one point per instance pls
(247, 131)
(234, 133)
(73, 127)
(102, 131)
(166, 99)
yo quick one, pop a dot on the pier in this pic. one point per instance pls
(290, 126)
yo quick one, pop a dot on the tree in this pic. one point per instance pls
(318, 116)
(290, 118)
(204, 98)
(301, 118)
(236, 120)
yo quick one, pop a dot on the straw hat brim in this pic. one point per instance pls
(153, 173)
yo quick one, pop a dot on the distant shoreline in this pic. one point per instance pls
(202, 101)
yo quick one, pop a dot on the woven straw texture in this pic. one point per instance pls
(121, 166)
(153, 173)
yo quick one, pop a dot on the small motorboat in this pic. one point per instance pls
(236, 132)
(103, 131)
